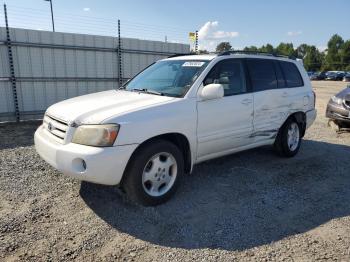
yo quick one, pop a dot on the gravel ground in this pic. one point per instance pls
(251, 206)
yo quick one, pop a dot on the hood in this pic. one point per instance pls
(345, 93)
(95, 108)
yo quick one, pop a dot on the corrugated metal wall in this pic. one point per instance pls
(50, 67)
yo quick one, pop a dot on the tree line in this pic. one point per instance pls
(335, 57)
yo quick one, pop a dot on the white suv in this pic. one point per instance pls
(176, 113)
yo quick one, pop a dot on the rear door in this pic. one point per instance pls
(270, 97)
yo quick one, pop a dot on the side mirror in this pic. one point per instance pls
(212, 91)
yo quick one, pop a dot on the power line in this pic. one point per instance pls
(31, 18)
(100, 19)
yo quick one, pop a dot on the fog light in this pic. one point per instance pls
(79, 165)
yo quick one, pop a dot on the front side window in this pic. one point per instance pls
(169, 77)
(291, 74)
(262, 74)
(230, 74)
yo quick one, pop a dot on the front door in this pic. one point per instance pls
(225, 123)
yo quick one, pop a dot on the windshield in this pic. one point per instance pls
(169, 77)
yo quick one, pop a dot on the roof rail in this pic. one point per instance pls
(253, 53)
(175, 55)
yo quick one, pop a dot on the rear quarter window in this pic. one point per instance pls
(281, 82)
(291, 74)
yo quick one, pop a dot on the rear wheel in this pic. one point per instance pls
(288, 140)
(154, 173)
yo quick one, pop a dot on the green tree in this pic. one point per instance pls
(267, 49)
(302, 50)
(223, 46)
(251, 48)
(286, 49)
(311, 56)
(333, 59)
(345, 55)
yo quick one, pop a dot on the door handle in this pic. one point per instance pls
(246, 101)
(284, 94)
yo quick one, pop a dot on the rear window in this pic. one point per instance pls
(291, 74)
(262, 74)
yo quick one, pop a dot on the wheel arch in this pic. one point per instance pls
(178, 139)
(300, 118)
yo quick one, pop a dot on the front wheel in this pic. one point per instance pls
(288, 140)
(154, 173)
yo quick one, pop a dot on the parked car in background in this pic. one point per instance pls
(176, 113)
(310, 73)
(335, 76)
(318, 76)
(346, 77)
(338, 108)
(313, 77)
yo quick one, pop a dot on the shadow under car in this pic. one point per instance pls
(238, 201)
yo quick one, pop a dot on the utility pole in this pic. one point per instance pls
(53, 22)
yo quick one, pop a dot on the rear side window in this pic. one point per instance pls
(281, 82)
(291, 74)
(262, 74)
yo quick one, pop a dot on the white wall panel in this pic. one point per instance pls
(6, 101)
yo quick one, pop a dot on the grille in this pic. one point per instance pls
(55, 127)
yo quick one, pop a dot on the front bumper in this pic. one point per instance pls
(338, 112)
(102, 165)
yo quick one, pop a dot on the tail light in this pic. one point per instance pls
(314, 98)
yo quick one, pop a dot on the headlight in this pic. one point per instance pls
(96, 135)
(336, 100)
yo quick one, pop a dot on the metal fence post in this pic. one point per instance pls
(11, 65)
(196, 45)
(120, 74)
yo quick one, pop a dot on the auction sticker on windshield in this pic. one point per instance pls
(193, 64)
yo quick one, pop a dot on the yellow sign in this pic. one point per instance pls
(192, 36)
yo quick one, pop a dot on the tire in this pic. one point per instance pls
(288, 144)
(154, 173)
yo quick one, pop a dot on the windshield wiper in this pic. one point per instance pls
(145, 90)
